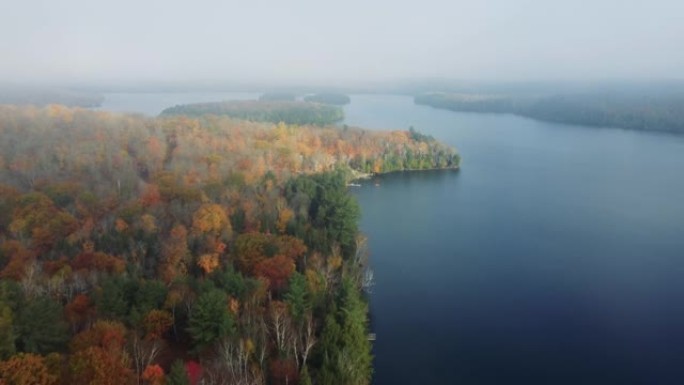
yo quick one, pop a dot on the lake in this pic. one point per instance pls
(554, 256)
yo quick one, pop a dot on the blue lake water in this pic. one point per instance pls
(554, 256)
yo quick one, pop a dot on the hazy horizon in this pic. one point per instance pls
(311, 42)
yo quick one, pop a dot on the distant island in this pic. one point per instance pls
(278, 97)
(329, 98)
(637, 111)
(289, 112)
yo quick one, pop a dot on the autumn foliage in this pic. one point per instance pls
(221, 244)
(26, 369)
(153, 375)
(157, 323)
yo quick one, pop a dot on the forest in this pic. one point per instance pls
(630, 110)
(186, 250)
(289, 112)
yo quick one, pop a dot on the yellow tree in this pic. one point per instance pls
(210, 219)
(208, 262)
(175, 253)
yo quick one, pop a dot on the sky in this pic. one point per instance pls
(338, 41)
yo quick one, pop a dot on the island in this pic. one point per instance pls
(289, 112)
(181, 249)
(329, 98)
(278, 97)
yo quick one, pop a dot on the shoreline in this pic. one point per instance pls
(359, 176)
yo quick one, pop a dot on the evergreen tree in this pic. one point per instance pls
(112, 301)
(297, 297)
(210, 319)
(41, 327)
(148, 296)
(177, 375)
(230, 281)
(329, 350)
(355, 356)
(7, 336)
(326, 214)
(344, 345)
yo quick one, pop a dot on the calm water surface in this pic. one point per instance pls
(555, 256)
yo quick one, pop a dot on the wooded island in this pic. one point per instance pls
(290, 112)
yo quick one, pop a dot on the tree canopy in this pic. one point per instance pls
(230, 246)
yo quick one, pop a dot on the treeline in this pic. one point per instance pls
(467, 102)
(328, 98)
(277, 96)
(177, 250)
(289, 112)
(652, 112)
(42, 96)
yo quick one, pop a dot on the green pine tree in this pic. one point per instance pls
(41, 326)
(210, 320)
(297, 297)
(177, 375)
(344, 345)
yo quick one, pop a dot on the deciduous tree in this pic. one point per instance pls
(26, 369)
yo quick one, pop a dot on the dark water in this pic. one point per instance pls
(555, 256)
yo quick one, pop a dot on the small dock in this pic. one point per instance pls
(371, 336)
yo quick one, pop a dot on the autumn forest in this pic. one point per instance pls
(180, 250)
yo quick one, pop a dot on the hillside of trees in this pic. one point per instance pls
(289, 112)
(630, 110)
(328, 98)
(179, 250)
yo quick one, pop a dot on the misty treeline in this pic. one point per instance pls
(329, 98)
(176, 250)
(267, 110)
(43, 96)
(647, 111)
(277, 96)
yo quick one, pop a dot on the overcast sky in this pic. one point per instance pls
(329, 41)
